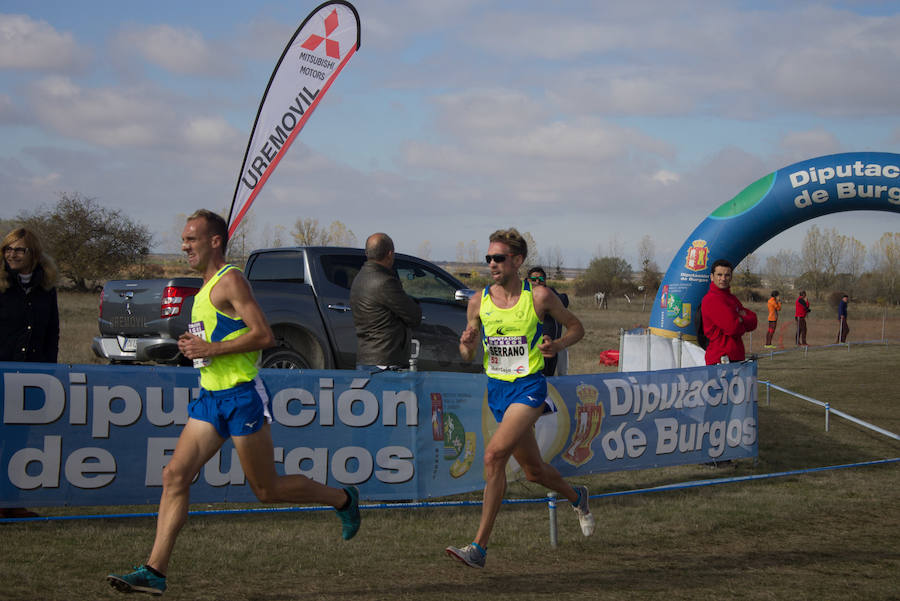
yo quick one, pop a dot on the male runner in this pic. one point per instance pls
(508, 318)
(233, 403)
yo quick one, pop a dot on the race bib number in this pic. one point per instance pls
(507, 355)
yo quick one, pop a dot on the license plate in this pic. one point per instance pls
(129, 345)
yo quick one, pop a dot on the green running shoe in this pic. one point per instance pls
(350, 518)
(141, 580)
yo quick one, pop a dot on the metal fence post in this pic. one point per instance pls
(551, 506)
(678, 355)
(647, 336)
(827, 413)
(621, 348)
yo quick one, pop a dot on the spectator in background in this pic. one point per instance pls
(552, 330)
(724, 318)
(774, 306)
(843, 328)
(29, 314)
(801, 310)
(383, 313)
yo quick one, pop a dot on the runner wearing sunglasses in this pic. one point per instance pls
(508, 318)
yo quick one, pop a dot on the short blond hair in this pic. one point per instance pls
(513, 239)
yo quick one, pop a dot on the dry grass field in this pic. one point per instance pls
(828, 535)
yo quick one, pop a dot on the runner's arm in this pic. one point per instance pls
(548, 303)
(468, 341)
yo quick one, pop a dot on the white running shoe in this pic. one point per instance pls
(585, 518)
(469, 555)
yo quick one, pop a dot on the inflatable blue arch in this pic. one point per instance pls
(858, 181)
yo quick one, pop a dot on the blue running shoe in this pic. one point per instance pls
(141, 580)
(350, 517)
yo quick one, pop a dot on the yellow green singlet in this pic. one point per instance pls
(225, 371)
(510, 337)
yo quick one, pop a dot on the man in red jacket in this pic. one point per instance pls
(724, 317)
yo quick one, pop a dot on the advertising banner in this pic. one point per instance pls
(101, 435)
(856, 181)
(312, 59)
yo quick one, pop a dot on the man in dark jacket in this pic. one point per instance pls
(725, 319)
(843, 328)
(383, 313)
(552, 329)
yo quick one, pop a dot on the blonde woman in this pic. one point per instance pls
(29, 315)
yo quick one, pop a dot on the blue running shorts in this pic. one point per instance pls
(234, 411)
(530, 390)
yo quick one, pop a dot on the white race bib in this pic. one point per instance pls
(507, 355)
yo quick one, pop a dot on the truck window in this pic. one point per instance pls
(286, 265)
(422, 283)
(340, 270)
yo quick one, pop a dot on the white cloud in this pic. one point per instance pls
(9, 112)
(810, 143)
(481, 110)
(179, 50)
(666, 177)
(26, 43)
(209, 132)
(109, 117)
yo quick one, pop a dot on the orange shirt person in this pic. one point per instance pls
(774, 307)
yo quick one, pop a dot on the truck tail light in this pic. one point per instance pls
(173, 299)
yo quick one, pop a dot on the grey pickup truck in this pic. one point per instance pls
(304, 293)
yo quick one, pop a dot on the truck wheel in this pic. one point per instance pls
(284, 358)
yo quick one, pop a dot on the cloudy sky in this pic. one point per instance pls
(588, 124)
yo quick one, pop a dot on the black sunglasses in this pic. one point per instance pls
(495, 258)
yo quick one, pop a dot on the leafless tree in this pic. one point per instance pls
(745, 274)
(553, 259)
(474, 249)
(460, 252)
(813, 261)
(424, 249)
(781, 268)
(340, 235)
(307, 232)
(273, 237)
(854, 262)
(885, 260)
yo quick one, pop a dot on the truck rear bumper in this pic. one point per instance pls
(136, 350)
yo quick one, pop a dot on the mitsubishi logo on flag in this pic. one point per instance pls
(332, 48)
